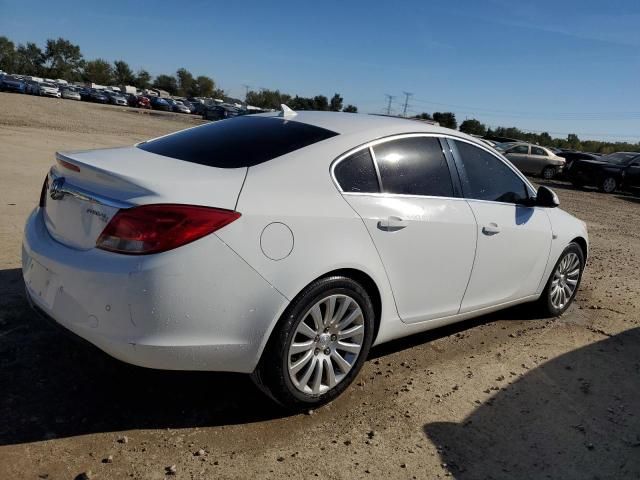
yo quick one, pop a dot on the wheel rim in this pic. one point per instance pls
(565, 280)
(326, 344)
(548, 173)
(609, 185)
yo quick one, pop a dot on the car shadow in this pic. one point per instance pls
(576, 416)
(629, 198)
(55, 386)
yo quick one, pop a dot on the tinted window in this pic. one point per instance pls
(488, 178)
(414, 166)
(356, 173)
(238, 142)
(538, 151)
(519, 149)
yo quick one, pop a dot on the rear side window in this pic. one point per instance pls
(238, 142)
(356, 173)
(488, 178)
(538, 151)
(414, 166)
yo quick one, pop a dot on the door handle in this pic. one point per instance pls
(491, 229)
(392, 224)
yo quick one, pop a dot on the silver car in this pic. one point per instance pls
(535, 160)
(70, 93)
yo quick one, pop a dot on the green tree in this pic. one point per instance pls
(122, 73)
(268, 99)
(335, 104)
(143, 79)
(98, 71)
(205, 87)
(29, 60)
(350, 109)
(186, 83)
(573, 141)
(423, 116)
(167, 83)
(473, 127)
(446, 119)
(7, 55)
(63, 59)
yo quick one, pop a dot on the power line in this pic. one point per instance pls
(246, 90)
(390, 98)
(406, 103)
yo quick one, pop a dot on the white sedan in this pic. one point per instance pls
(286, 245)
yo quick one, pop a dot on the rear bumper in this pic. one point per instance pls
(198, 307)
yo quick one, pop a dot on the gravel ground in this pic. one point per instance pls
(507, 395)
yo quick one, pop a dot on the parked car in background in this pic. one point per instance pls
(535, 160)
(32, 87)
(98, 96)
(617, 171)
(220, 112)
(116, 98)
(158, 103)
(138, 101)
(197, 106)
(70, 93)
(420, 226)
(570, 156)
(48, 89)
(85, 94)
(10, 83)
(177, 106)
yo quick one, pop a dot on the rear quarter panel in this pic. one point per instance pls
(297, 190)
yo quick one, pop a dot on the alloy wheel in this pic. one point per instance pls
(609, 185)
(548, 173)
(326, 344)
(565, 280)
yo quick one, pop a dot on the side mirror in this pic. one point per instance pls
(545, 197)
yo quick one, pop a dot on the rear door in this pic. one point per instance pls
(514, 240)
(538, 159)
(424, 232)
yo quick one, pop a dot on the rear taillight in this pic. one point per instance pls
(158, 228)
(43, 192)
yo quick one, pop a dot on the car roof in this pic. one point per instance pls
(352, 123)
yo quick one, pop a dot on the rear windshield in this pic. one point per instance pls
(238, 142)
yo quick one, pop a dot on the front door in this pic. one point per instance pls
(514, 240)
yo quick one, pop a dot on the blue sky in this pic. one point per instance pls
(560, 66)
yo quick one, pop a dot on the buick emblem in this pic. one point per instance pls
(55, 191)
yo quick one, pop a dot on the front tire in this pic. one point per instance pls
(319, 345)
(609, 185)
(563, 283)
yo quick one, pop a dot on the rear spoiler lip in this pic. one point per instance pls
(59, 187)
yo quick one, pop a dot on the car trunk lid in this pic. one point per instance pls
(86, 189)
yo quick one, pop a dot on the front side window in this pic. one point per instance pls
(357, 174)
(414, 166)
(538, 151)
(488, 178)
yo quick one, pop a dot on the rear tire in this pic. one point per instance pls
(306, 362)
(548, 173)
(609, 185)
(563, 282)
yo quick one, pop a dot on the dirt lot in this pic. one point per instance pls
(504, 396)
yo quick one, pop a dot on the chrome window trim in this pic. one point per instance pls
(376, 168)
(370, 144)
(82, 194)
